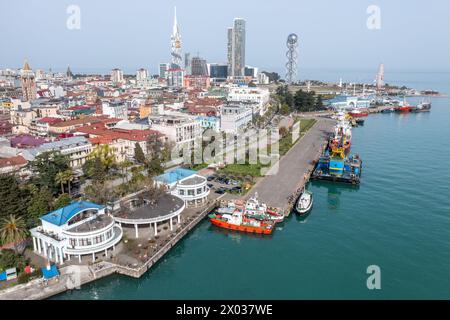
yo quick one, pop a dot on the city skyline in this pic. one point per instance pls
(265, 36)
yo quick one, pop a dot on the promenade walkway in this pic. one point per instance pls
(275, 189)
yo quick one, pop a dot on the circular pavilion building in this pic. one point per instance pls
(141, 210)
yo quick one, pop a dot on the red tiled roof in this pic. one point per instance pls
(12, 161)
(50, 120)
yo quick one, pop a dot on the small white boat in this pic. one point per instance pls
(304, 203)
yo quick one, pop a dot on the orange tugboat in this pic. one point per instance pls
(252, 217)
(237, 221)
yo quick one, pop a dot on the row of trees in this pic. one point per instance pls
(23, 203)
(300, 101)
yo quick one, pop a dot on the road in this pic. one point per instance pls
(275, 189)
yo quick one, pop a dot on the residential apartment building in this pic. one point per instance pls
(235, 118)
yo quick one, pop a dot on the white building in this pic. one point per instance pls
(115, 110)
(76, 148)
(263, 78)
(179, 129)
(79, 229)
(193, 190)
(259, 96)
(141, 74)
(175, 78)
(141, 210)
(116, 76)
(235, 118)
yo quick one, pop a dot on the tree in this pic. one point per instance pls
(99, 192)
(40, 203)
(13, 199)
(13, 230)
(124, 165)
(154, 167)
(46, 166)
(61, 179)
(63, 200)
(139, 155)
(95, 169)
(285, 109)
(65, 177)
(319, 102)
(105, 154)
(69, 178)
(10, 259)
(137, 175)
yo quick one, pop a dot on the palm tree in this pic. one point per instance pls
(106, 155)
(69, 177)
(61, 178)
(64, 177)
(13, 230)
(124, 165)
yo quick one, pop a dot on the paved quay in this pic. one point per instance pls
(294, 167)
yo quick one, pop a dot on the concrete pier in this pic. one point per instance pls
(279, 189)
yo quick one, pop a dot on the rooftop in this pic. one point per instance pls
(175, 175)
(196, 179)
(62, 215)
(13, 161)
(98, 223)
(165, 205)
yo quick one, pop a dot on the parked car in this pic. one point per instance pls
(210, 185)
(236, 189)
(211, 178)
(235, 182)
(221, 191)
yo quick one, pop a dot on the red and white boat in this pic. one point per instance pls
(356, 113)
(249, 216)
(405, 107)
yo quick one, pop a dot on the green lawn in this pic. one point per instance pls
(285, 144)
(253, 170)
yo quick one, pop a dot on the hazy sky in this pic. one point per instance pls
(136, 33)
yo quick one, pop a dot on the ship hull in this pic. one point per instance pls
(359, 114)
(241, 228)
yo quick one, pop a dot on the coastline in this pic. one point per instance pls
(312, 142)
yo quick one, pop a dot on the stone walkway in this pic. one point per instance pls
(275, 189)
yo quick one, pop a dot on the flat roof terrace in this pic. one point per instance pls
(166, 207)
(195, 180)
(100, 222)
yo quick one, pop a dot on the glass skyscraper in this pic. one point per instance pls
(236, 48)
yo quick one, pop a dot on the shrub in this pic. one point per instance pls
(10, 259)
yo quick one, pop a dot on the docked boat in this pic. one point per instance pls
(360, 122)
(333, 167)
(341, 140)
(251, 208)
(239, 222)
(304, 203)
(356, 113)
(405, 107)
(422, 107)
(247, 216)
(388, 110)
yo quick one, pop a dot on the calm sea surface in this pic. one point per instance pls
(398, 219)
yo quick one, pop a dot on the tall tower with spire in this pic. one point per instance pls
(175, 41)
(69, 73)
(28, 82)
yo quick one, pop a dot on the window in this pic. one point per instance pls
(191, 193)
(199, 190)
(181, 191)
